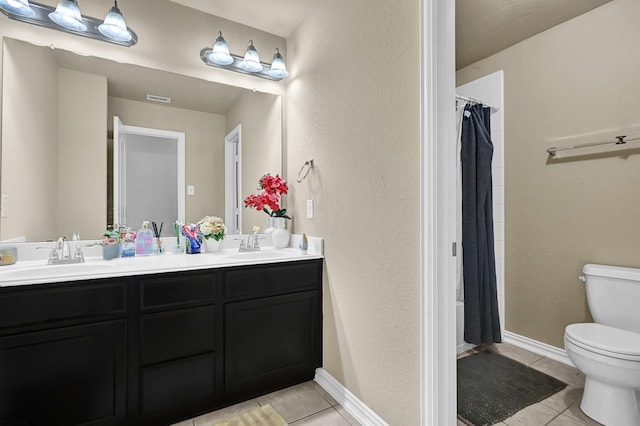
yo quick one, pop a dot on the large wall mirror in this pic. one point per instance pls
(57, 138)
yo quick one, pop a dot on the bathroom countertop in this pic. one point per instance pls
(28, 272)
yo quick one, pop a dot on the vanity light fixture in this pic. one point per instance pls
(114, 26)
(66, 17)
(251, 61)
(219, 56)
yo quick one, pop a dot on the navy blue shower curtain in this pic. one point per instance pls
(481, 321)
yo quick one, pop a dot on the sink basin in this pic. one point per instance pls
(46, 271)
(258, 255)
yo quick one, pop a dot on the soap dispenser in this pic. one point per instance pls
(144, 240)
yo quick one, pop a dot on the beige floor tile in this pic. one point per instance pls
(566, 373)
(563, 420)
(225, 413)
(521, 355)
(296, 402)
(328, 417)
(184, 423)
(352, 421)
(533, 415)
(576, 413)
(324, 393)
(564, 399)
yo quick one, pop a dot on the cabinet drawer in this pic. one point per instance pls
(81, 300)
(177, 334)
(273, 279)
(177, 290)
(173, 386)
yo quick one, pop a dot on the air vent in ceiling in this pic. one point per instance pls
(156, 98)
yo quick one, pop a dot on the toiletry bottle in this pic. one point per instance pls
(144, 240)
(128, 244)
(304, 244)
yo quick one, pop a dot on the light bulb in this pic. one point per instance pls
(251, 60)
(67, 15)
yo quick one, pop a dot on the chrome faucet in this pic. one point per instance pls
(61, 252)
(252, 243)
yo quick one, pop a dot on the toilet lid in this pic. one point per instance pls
(604, 339)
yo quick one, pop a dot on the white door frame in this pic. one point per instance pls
(233, 180)
(179, 137)
(437, 277)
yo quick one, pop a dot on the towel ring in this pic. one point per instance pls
(308, 165)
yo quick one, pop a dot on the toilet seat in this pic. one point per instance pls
(605, 340)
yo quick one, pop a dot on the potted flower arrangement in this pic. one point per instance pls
(110, 242)
(268, 200)
(211, 228)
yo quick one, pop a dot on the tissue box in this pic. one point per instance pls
(8, 255)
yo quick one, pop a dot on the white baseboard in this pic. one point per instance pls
(539, 348)
(358, 409)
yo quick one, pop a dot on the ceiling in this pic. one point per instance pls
(482, 27)
(489, 26)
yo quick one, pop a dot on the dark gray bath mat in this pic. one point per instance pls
(492, 387)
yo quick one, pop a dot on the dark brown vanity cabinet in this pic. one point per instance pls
(273, 327)
(156, 349)
(63, 354)
(177, 346)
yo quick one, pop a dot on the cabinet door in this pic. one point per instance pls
(73, 375)
(271, 343)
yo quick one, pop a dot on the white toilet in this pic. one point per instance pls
(608, 351)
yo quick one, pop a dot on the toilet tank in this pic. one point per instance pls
(613, 295)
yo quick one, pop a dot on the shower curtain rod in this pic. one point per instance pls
(620, 140)
(476, 101)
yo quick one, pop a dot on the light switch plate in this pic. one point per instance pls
(309, 209)
(191, 190)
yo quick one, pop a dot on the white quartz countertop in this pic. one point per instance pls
(38, 272)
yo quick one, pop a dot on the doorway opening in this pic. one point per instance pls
(148, 176)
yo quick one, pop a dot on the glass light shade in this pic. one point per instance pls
(220, 54)
(114, 26)
(67, 15)
(18, 7)
(251, 60)
(278, 69)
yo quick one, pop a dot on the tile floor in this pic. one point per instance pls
(560, 409)
(306, 404)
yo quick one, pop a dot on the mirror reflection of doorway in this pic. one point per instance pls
(233, 180)
(148, 176)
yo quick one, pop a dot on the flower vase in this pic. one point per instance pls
(280, 235)
(211, 245)
(271, 225)
(110, 251)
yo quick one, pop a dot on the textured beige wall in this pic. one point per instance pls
(261, 117)
(575, 83)
(30, 151)
(82, 153)
(204, 148)
(353, 107)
